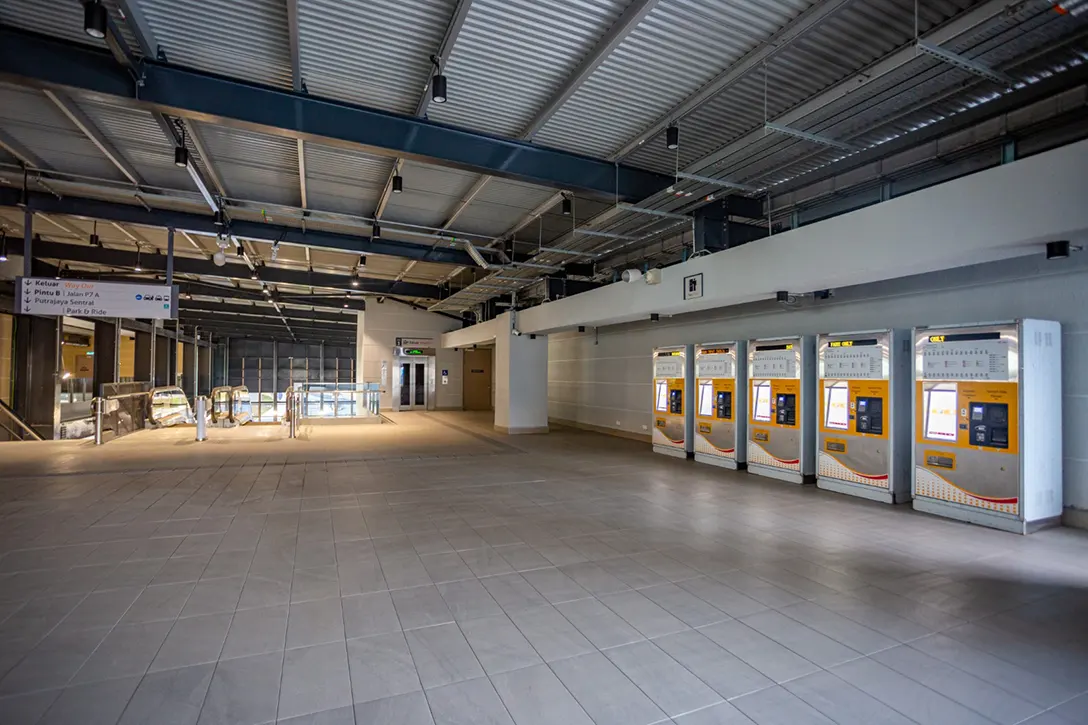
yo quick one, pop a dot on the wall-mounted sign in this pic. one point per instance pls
(445, 379)
(693, 286)
(415, 342)
(412, 351)
(90, 298)
(385, 371)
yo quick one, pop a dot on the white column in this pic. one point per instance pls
(521, 382)
(360, 346)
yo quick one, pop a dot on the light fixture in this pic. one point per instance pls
(1057, 250)
(219, 258)
(266, 291)
(438, 81)
(475, 254)
(95, 19)
(398, 183)
(3, 245)
(375, 231)
(253, 274)
(66, 375)
(94, 240)
(354, 280)
(138, 268)
(567, 206)
(362, 260)
(181, 157)
(672, 137)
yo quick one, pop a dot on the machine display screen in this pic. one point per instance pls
(661, 399)
(761, 401)
(941, 418)
(837, 412)
(706, 398)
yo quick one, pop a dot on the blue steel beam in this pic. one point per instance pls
(204, 224)
(37, 61)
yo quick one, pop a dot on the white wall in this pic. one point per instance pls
(608, 384)
(1000, 213)
(521, 383)
(382, 324)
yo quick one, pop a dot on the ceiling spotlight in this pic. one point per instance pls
(181, 157)
(354, 280)
(362, 260)
(266, 291)
(219, 258)
(672, 137)
(375, 231)
(3, 245)
(1057, 250)
(253, 274)
(95, 19)
(438, 81)
(475, 254)
(138, 268)
(568, 206)
(398, 183)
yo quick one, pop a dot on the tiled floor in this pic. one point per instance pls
(430, 572)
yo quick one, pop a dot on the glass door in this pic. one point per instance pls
(412, 379)
(419, 386)
(405, 386)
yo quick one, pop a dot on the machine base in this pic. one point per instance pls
(729, 463)
(849, 488)
(780, 474)
(674, 452)
(982, 518)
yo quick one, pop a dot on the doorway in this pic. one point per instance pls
(413, 383)
(476, 393)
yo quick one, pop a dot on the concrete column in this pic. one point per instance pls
(204, 370)
(143, 363)
(165, 360)
(189, 368)
(37, 373)
(106, 367)
(521, 383)
(360, 346)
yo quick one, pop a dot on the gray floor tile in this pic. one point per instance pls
(776, 706)
(420, 607)
(631, 573)
(315, 583)
(442, 655)
(722, 597)
(904, 695)
(360, 578)
(685, 606)
(315, 679)
(127, 651)
(665, 566)
(101, 609)
(404, 571)
(805, 641)
(762, 653)
(407, 709)
(873, 616)
(600, 625)
(672, 687)
(841, 629)
(727, 674)
(159, 603)
(522, 557)
(315, 622)
(255, 632)
(260, 591)
(98, 703)
(550, 633)
(1074, 710)
(643, 614)
(468, 600)
(593, 578)
(381, 667)
(721, 714)
(486, 562)
(368, 614)
(1049, 718)
(339, 716)
(535, 696)
(53, 662)
(604, 692)
(214, 596)
(842, 702)
(513, 593)
(26, 709)
(181, 569)
(473, 702)
(446, 567)
(193, 641)
(228, 564)
(172, 697)
(554, 585)
(978, 695)
(244, 691)
(499, 645)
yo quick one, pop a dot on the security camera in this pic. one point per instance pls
(631, 276)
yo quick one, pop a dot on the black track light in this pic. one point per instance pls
(672, 137)
(362, 260)
(1057, 250)
(398, 183)
(267, 291)
(95, 19)
(355, 280)
(253, 274)
(567, 206)
(94, 240)
(376, 231)
(181, 157)
(438, 81)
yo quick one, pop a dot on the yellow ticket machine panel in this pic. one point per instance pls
(780, 415)
(863, 443)
(720, 404)
(987, 441)
(672, 413)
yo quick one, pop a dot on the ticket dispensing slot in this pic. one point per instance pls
(864, 434)
(987, 445)
(719, 381)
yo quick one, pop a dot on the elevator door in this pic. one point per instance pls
(413, 385)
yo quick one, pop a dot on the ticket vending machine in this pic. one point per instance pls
(672, 411)
(720, 404)
(988, 423)
(863, 444)
(781, 408)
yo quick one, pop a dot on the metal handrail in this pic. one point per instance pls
(27, 431)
